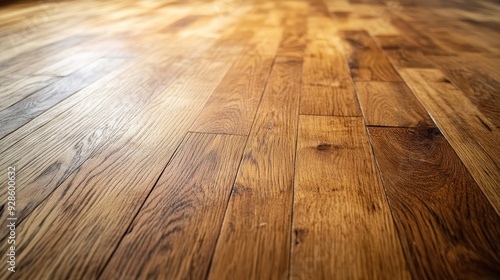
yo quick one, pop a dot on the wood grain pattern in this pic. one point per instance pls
(430, 192)
(475, 139)
(52, 156)
(258, 218)
(115, 177)
(366, 61)
(402, 53)
(339, 231)
(157, 139)
(391, 104)
(35, 104)
(14, 88)
(231, 108)
(328, 101)
(186, 208)
(478, 78)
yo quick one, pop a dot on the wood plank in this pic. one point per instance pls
(14, 88)
(330, 69)
(232, 107)
(446, 225)
(49, 155)
(113, 183)
(478, 78)
(391, 104)
(425, 43)
(30, 107)
(258, 218)
(186, 210)
(470, 133)
(366, 61)
(402, 53)
(293, 40)
(328, 101)
(342, 223)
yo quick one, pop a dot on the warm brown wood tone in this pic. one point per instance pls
(232, 107)
(473, 136)
(391, 104)
(430, 191)
(339, 231)
(230, 139)
(366, 61)
(30, 107)
(188, 203)
(121, 175)
(258, 218)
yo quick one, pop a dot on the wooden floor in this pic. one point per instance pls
(232, 139)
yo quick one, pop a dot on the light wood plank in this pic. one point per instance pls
(232, 107)
(342, 223)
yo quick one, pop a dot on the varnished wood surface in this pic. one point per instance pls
(230, 139)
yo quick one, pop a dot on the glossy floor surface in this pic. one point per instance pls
(231, 139)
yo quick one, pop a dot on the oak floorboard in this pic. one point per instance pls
(49, 155)
(117, 179)
(445, 223)
(402, 53)
(478, 78)
(366, 61)
(342, 224)
(232, 107)
(391, 104)
(258, 218)
(33, 105)
(473, 137)
(187, 203)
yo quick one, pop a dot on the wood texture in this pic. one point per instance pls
(258, 218)
(366, 61)
(391, 104)
(113, 184)
(33, 105)
(187, 203)
(232, 106)
(430, 190)
(158, 139)
(473, 137)
(340, 231)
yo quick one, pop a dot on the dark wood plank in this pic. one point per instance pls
(185, 209)
(342, 223)
(258, 219)
(445, 223)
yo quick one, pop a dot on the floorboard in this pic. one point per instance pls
(250, 139)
